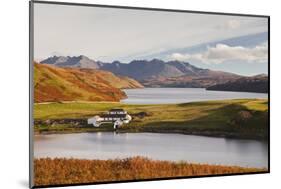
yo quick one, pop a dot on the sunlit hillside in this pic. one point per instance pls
(71, 84)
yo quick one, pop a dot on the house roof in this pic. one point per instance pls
(113, 115)
(116, 110)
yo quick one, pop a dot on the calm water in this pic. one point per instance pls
(198, 149)
(180, 95)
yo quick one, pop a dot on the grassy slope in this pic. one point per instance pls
(214, 118)
(67, 84)
(70, 171)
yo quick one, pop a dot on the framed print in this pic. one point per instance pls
(122, 94)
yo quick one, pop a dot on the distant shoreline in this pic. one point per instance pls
(243, 91)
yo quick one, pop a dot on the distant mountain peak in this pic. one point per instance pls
(116, 62)
(260, 75)
(137, 61)
(156, 60)
(83, 57)
(80, 61)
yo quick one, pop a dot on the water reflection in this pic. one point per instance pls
(175, 147)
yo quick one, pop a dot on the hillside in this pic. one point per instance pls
(258, 84)
(72, 84)
(213, 78)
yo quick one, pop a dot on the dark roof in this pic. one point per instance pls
(113, 115)
(116, 110)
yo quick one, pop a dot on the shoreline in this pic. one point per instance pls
(191, 133)
(150, 159)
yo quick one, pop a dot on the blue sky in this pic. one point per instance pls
(228, 43)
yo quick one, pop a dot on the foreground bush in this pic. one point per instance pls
(70, 171)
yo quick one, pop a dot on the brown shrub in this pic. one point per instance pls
(242, 117)
(70, 171)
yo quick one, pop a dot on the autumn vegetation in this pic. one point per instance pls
(70, 171)
(54, 84)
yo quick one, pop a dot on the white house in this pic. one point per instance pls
(116, 116)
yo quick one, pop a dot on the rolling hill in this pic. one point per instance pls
(73, 84)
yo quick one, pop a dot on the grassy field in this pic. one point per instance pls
(70, 171)
(244, 118)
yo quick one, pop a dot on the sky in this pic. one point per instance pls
(221, 42)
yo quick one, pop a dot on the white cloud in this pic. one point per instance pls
(135, 32)
(222, 53)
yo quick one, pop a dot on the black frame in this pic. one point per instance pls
(31, 58)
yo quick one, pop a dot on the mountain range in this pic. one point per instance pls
(155, 72)
(137, 69)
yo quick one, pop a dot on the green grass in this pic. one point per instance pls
(68, 128)
(220, 118)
